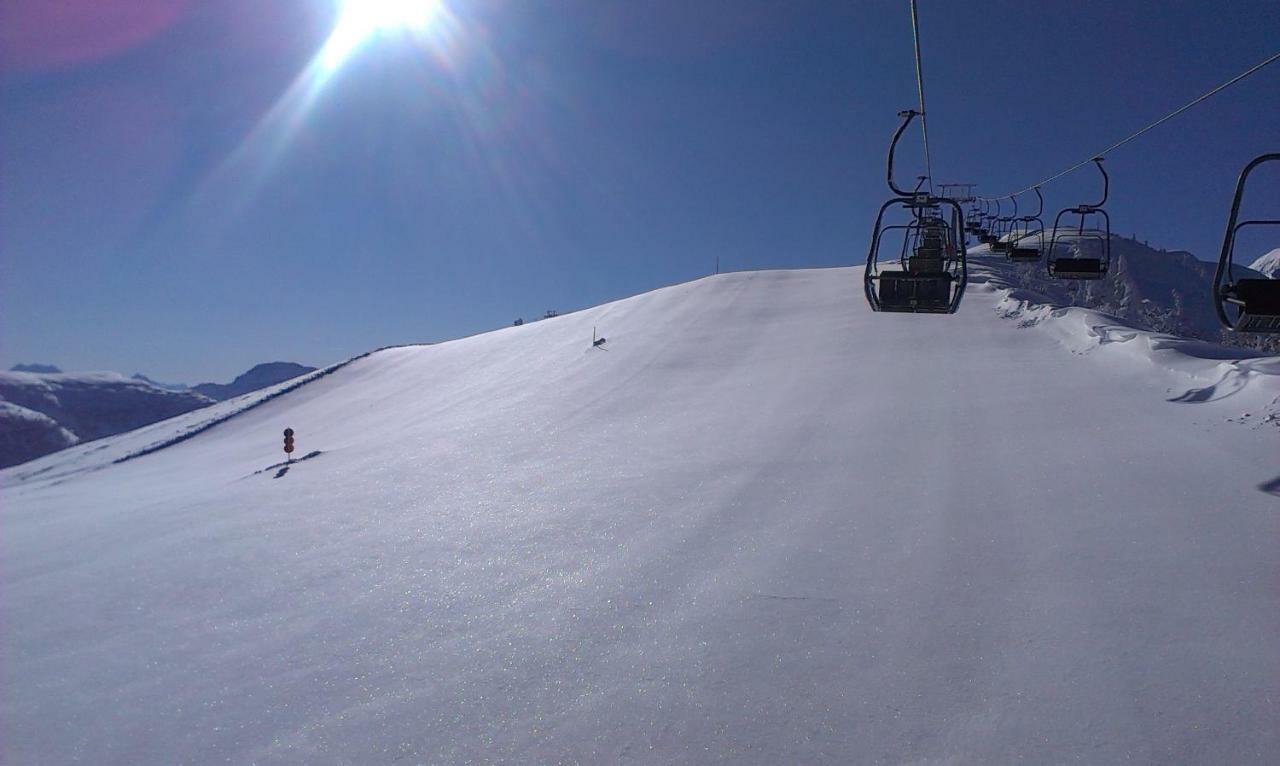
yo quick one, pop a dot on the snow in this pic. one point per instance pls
(13, 411)
(1269, 264)
(24, 430)
(89, 406)
(85, 406)
(760, 525)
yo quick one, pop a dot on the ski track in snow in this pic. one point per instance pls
(766, 526)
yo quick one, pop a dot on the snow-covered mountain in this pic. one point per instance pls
(76, 407)
(759, 525)
(1268, 264)
(50, 411)
(38, 368)
(158, 384)
(1167, 291)
(26, 434)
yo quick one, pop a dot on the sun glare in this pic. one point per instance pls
(429, 26)
(360, 20)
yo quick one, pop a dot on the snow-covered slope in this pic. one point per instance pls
(1159, 290)
(760, 525)
(1268, 264)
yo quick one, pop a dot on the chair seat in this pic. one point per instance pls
(926, 292)
(1269, 323)
(1077, 268)
(1260, 296)
(1024, 254)
(925, 263)
(1259, 302)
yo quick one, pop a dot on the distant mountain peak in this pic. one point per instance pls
(259, 376)
(46, 409)
(1269, 264)
(166, 386)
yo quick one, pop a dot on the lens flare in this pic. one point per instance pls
(361, 20)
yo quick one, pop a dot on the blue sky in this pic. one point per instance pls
(169, 205)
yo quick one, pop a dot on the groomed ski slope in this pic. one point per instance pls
(763, 525)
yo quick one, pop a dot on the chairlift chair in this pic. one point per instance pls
(932, 271)
(972, 215)
(1095, 238)
(1004, 230)
(971, 228)
(988, 236)
(1033, 229)
(1246, 304)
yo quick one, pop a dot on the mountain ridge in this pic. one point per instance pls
(49, 411)
(258, 376)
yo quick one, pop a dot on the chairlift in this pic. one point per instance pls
(1032, 229)
(963, 195)
(1004, 229)
(932, 271)
(1246, 304)
(1086, 252)
(988, 236)
(972, 224)
(978, 215)
(989, 220)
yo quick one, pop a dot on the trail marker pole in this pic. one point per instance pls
(288, 444)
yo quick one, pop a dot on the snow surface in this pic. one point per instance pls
(1268, 264)
(760, 525)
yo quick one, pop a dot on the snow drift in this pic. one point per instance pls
(759, 525)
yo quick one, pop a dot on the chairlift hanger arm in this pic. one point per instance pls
(1225, 258)
(1040, 210)
(1106, 182)
(907, 116)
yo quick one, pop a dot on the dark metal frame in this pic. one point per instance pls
(1239, 294)
(988, 235)
(973, 224)
(927, 222)
(1025, 254)
(1004, 228)
(1084, 268)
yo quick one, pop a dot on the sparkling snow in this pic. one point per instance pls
(760, 525)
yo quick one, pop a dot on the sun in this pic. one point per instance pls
(360, 20)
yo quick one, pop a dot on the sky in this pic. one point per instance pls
(188, 188)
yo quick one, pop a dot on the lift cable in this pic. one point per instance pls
(924, 118)
(1275, 57)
